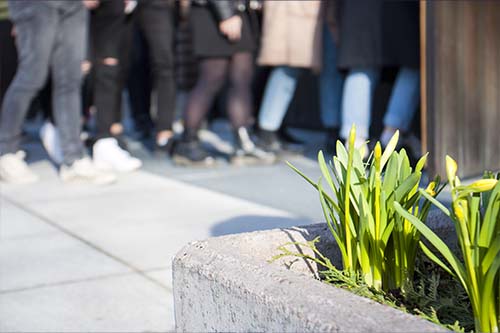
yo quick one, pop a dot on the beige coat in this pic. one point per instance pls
(291, 34)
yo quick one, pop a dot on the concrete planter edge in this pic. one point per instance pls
(227, 284)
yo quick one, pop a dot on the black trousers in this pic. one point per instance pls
(107, 40)
(139, 83)
(155, 21)
(8, 57)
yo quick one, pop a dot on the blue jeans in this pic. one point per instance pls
(50, 35)
(330, 83)
(357, 101)
(279, 92)
(404, 99)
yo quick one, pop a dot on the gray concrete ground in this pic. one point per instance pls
(98, 259)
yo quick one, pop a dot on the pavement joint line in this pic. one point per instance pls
(75, 281)
(86, 242)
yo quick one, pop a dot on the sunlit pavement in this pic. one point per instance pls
(98, 259)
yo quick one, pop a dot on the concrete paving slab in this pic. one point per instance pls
(55, 258)
(147, 228)
(154, 243)
(17, 223)
(163, 276)
(275, 186)
(51, 188)
(60, 275)
(118, 304)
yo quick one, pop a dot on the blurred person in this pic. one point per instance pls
(224, 44)
(50, 35)
(373, 34)
(139, 85)
(401, 46)
(8, 54)
(155, 22)
(291, 43)
(107, 34)
(331, 79)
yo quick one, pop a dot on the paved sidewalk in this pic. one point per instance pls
(98, 259)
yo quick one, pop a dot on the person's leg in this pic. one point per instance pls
(36, 25)
(139, 84)
(357, 102)
(277, 97)
(212, 76)
(156, 22)
(239, 104)
(239, 95)
(107, 26)
(107, 31)
(8, 57)
(35, 38)
(67, 57)
(330, 83)
(402, 104)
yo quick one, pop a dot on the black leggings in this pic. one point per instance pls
(107, 31)
(213, 74)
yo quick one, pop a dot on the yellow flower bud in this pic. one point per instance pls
(459, 211)
(430, 188)
(352, 136)
(377, 153)
(451, 169)
(483, 185)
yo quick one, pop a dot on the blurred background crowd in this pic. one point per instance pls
(179, 64)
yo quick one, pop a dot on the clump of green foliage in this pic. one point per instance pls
(375, 242)
(476, 216)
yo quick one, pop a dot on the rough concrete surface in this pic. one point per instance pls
(227, 284)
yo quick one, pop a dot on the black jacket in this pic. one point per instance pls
(375, 33)
(223, 9)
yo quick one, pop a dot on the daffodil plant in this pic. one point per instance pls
(476, 216)
(358, 205)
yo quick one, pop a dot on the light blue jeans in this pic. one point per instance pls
(330, 83)
(357, 101)
(279, 92)
(404, 99)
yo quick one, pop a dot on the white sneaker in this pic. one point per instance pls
(108, 155)
(13, 169)
(84, 171)
(51, 142)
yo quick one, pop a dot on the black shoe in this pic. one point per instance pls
(287, 138)
(165, 147)
(269, 141)
(272, 141)
(247, 152)
(190, 152)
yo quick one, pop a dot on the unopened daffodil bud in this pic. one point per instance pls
(377, 154)
(451, 170)
(431, 188)
(483, 185)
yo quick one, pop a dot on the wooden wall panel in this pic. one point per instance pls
(462, 79)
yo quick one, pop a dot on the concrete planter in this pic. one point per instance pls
(226, 284)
